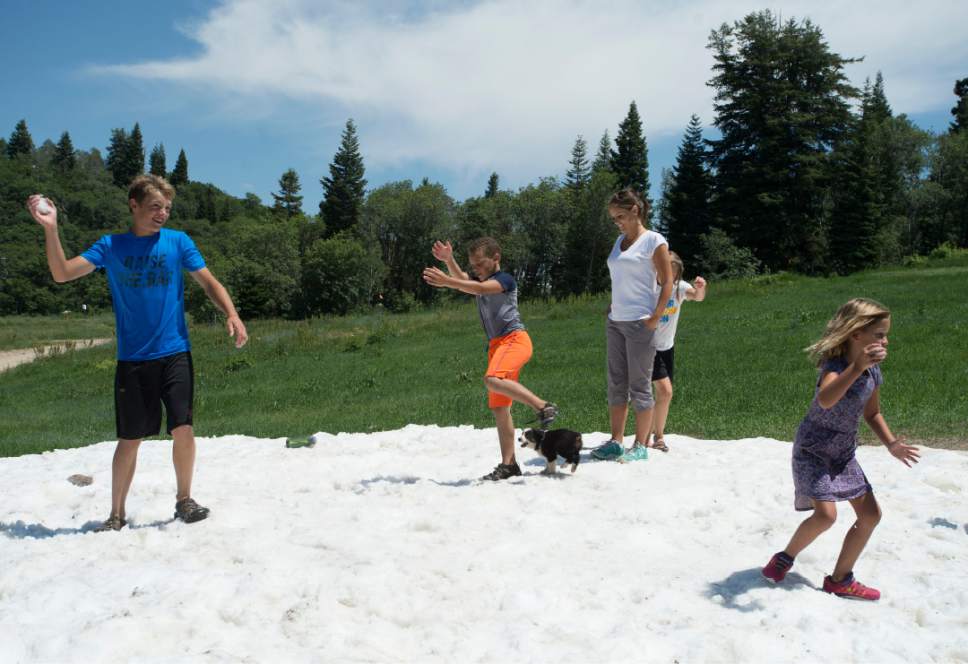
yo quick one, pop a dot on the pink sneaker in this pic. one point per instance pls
(851, 588)
(778, 566)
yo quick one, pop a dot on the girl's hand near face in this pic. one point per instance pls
(872, 354)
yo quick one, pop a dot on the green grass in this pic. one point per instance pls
(740, 369)
(30, 331)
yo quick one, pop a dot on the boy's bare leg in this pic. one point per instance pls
(617, 416)
(824, 515)
(514, 390)
(663, 397)
(122, 473)
(868, 516)
(505, 432)
(183, 455)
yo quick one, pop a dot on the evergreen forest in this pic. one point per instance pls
(797, 171)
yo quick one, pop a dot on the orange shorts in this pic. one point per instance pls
(506, 356)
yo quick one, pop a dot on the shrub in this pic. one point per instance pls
(720, 258)
(339, 275)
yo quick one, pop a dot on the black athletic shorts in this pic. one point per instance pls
(664, 364)
(141, 387)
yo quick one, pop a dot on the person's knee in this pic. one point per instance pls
(642, 400)
(825, 515)
(642, 404)
(617, 395)
(491, 382)
(870, 516)
(663, 389)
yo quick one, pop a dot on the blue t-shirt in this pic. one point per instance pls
(145, 276)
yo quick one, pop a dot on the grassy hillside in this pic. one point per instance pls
(740, 369)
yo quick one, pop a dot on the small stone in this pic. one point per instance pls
(80, 480)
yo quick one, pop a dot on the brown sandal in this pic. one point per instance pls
(659, 444)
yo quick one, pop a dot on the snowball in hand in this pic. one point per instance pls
(42, 206)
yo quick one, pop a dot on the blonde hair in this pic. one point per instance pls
(144, 185)
(627, 199)
(677, 269)
(853, 316)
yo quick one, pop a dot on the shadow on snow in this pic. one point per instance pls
(21, 530)
(737, 584)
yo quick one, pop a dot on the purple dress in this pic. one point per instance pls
(824, 465)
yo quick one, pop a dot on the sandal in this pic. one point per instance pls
(659, 444)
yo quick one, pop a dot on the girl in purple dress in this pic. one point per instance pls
(825, 469)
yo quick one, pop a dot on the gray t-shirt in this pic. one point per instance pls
(499, 312)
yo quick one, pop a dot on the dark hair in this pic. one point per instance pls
(627, 198)
(143, 185)
(487, 245)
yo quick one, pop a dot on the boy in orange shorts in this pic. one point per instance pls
(509, 346)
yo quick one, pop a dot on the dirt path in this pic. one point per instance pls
(11, 358)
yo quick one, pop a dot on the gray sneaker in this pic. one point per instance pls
(503, 471)
(114, 522)
(547, 415)
(189, 511)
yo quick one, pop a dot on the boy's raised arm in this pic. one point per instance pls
(444, 252)
(436, 277)
(61, 269)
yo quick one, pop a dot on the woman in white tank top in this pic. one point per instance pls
(641, 278)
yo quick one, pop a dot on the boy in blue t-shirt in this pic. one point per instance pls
(144, 270)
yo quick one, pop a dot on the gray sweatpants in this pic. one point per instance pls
(631, 352)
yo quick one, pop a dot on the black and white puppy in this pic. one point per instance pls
(553, 444)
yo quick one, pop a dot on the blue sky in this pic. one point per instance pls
(445, 90)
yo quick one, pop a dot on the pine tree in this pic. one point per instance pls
(135, 155)
(876, 108)
(179, 176)
(686, 209)
(344, 189)
(116, 159)
(156, 161)
(579, 174)
(781, 103)
(630, 159)
(493, 186)
(288, 199)
(603, 159)
(207, 208)
(960, 110)
(20, 141)
(856, 209)
(64, 157)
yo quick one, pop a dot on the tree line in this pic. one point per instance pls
(799, 171)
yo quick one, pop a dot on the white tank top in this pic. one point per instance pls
(634, 288)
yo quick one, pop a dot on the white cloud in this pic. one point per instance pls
(507, 85)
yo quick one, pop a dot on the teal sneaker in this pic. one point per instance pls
(637, 452)
(610, 451)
